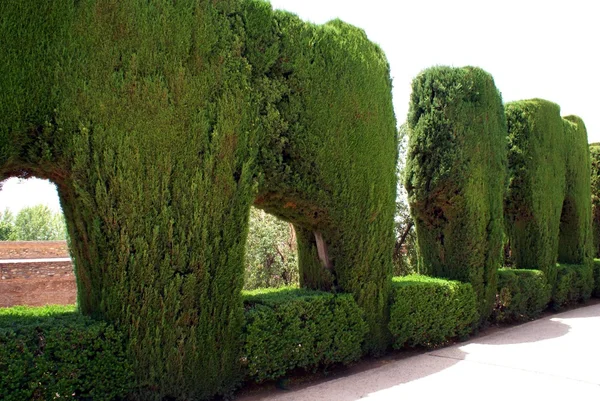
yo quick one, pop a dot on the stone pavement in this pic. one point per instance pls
(554, 358)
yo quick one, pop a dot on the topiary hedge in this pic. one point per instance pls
(570, 284)
(455, 176)
(537, 171)
(522, 295)
(596, 269)
(428, 311)
(290, 328)
(161, 123)
(595, 185)
(54, 352)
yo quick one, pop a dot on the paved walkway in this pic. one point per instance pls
(553, 358)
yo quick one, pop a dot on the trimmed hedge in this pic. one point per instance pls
(455, 176)
(537, 182)
(522, 295)
(428, 311)
(570, 284)
(52, 352)
(596, 268)
(161, 123)
(595, 185)
(292, 328)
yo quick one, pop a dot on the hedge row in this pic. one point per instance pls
(292, 328)
(429, 311)
(570, 284)
(596, 269)
(53, 352)
(522, 295)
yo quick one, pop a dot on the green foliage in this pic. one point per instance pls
(161, 123)
(522, 295)
(429, 312)
(38, 223)
(595, 185)
(570, 284)
(54, 352)
(271, 255)
(7, 226)
(575, 244)
(405, 249)
(329, 156)
(548, 202)
(291, 328)
(596, 269)
(455, 176)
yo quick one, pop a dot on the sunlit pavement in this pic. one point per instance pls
(553, 358)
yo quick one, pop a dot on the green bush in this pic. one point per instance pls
(455, 176)
(429, 311)
(522, 295)
(290, 328)
(570, 284)
(596, 268)
(54, 352)
(595, 186)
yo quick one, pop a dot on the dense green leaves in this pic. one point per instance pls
(289, 328)
(161, 123)
(429, 312)
(522, 295)
(53, 352)
(32, 223)
(455, 176)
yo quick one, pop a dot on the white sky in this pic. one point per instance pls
(533, 48)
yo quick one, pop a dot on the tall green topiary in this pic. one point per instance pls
(548, 210)
(329, 162)
(161, 123)
(537, 171)
(455, 175)
(595, 184)
(575, 235)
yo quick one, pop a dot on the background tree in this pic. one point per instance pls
(7, 225)
(39, 223)
(405, 250)
(271, 252)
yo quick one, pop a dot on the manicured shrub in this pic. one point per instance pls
(575, 244)
(548, 207)
(428, 311)
(161, 123)
(455, 176)
(596, 267)
(595, 185)
(329, 159)
(537, 182)
(290, 328)
(570, 284)
(54, 352)
(522, 295)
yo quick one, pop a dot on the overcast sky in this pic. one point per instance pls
(544, 49)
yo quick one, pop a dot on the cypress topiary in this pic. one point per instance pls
(161, 123)
(537, 171)
(548, 209)
(455, 176)
(595, 184)
(328, 163)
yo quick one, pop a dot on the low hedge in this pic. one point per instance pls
(522, 295)
(291, 328)
(570, 284)
(429, 311)
(596, 267)
(54, 352)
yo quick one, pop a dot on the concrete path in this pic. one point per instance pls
(553, 358)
